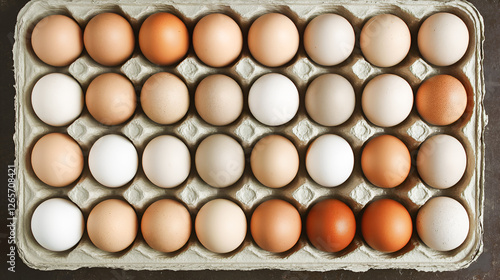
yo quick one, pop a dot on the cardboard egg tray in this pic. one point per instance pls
(302, 192)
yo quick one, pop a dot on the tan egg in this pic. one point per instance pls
(217, 40)
(165, 98)
(274, 161)
(111, 99)
(218, 99)
(166, 225)
(441, 100)
(273, 39)
(163, 39)
(57, 40)
(386, 161)
(276, 225)
(112, 225)
(109, 39)
(57, 159)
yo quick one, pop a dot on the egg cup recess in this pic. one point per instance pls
(258, 117)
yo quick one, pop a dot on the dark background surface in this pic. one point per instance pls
(486, 267)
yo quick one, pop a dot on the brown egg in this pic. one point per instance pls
(331, 225)
(386, 225)
(218, 99)
(57, 40)
(112, 225)
(441, 100)
(111, 99)
(109, 39)
(163, 39)
(166, 225)
(274, 161)
(275, 225)
(57, 159)
(273, 39)
(165, 98)
(217, 40)
(386, 161)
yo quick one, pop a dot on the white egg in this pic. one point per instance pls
(330, 100)
(442, 223)
(441, 161)
(443, 39)
(166, 161)
(57, 99)
(387, 100)
(113, 160)
(220, 160)
(329, 39)
(57, 224)
(329, 160)
(273, 99)
(221, 225)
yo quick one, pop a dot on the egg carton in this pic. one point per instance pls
(302, 192)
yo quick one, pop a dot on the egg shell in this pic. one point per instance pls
(57, 159)
(330, 225)
(57, 224)
(221, 225)
(386, 225)
(109, 39)
(112, 225)
(217, 40)
(441, 100)
(276, 225)
(166, 225)
(57, 40)
(163, 38)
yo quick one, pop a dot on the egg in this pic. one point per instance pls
(275, 225)
(385, 40)
(386, 225)
(443, 39)
(220, 160)
(166, 225)
(57, 99)
(163, 39)
(442, 223)
(113, 160)
(57, 159)
(165, 98)
(329, 160)
(111, 99)
(273, 99)
(166, 161)
(273, 39)
(112, 225)
(57, 40)
(217, 40)
(274, 161)
(109, 39)
(57, 224)
(441, 161)
(329, 39)
(330, 225)
(441, 100)
(385, 161)
(387, 100)
(221, 226)
(218, 99)
(330, 100)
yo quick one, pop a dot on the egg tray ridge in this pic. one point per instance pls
(302, 192)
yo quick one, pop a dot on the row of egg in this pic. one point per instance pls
(273, 99)
(57, 160)
(220, 225)
(273, 39)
